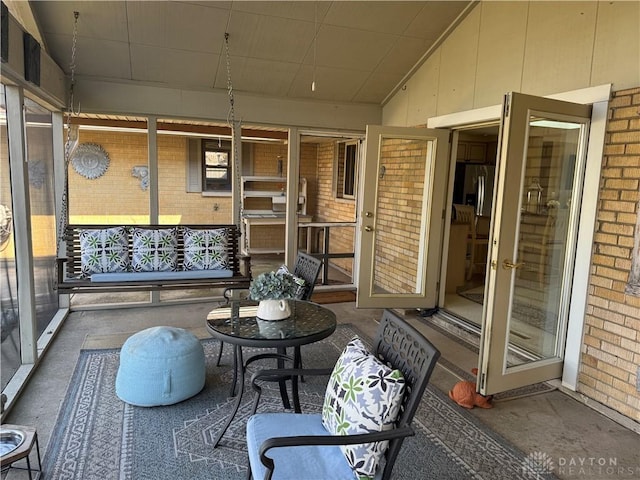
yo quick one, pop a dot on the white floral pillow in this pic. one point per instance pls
(104, 250)
(154, 250)
(363, 395)
(205, 249)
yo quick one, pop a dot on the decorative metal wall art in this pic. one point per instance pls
(141, 172)
(90, 160)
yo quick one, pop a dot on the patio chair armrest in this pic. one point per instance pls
(276, 374)
(329, 440)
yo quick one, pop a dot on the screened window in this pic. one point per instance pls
(347, 170)
(216, 167)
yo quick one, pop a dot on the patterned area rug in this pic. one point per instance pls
(98, 437)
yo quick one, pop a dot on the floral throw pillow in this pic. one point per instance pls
(104, 250)
(205, 249)
(154, 250)
(363, 395)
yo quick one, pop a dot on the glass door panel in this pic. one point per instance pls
(545, 254)
(401, 216)
(541, 162)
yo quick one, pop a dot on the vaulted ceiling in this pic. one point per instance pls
(354, 51)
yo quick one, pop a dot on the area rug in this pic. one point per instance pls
(98, 437)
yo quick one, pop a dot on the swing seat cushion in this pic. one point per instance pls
(160, 366)
(154, 276)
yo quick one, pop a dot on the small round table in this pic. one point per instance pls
(236, 323)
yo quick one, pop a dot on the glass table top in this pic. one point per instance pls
(236, 322)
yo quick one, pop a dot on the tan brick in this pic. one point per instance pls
(604, 335)
(619, 206)
(594, 321)
(605, 260)
(629, 218)
(612, 172)
(586, 380)
(620, 330)
(616, 350)
(601, 282)
(607, 216)
(622, 183)
(620, 101)
(602, 356)
(623, 264)
(611, 273)
(614, 251)
(618, 125)
(592, 341)
(617, 228)
(630, 196)
(610, 149)
(621, 377)
(609, 195)
(626, 112)
(600, 237)
(624, 161)
(633, 322)
(632, 149)
(625, 309)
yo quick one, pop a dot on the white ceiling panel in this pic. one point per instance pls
(384, 17)
(272, 39)
(173, 67)
(361, 51)
(341, 47)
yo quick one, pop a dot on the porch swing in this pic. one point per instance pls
(131, 258)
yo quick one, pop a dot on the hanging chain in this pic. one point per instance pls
(67, 146)
(231, 120)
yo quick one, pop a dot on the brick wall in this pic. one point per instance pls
(332, 209)
(611, 348)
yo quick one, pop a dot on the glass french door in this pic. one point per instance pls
(401, 215)
(532, 252)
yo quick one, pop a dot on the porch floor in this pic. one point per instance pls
(552, 422)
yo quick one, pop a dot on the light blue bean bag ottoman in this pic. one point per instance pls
(160, 366)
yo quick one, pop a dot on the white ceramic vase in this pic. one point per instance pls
(273, 310)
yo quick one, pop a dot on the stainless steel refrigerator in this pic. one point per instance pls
(473, 185)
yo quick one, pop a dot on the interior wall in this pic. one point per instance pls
(538, 48)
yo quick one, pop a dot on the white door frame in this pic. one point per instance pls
(599, 98)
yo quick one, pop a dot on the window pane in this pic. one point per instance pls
(217, 159)
(39, 138)
(217, 174)
(10, 328)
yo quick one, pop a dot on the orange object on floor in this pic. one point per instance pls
(464, 394)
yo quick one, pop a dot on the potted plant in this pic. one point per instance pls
(272, 290)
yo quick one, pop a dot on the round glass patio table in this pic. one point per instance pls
(236, 323)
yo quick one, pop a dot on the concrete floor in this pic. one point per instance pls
(551, 423)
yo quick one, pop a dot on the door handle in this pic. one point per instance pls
(368, 229)
(508, 265)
